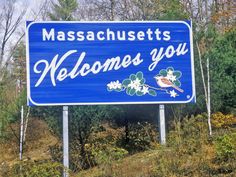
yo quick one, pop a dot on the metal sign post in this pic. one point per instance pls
(162, 124)
(65, 141)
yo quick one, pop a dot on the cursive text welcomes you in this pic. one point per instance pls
(115, 63)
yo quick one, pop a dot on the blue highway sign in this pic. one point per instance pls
(93, 63)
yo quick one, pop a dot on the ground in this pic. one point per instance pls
(36, 146)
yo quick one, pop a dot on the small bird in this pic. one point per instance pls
(165, 82)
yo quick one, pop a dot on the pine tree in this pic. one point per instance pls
(63, 10)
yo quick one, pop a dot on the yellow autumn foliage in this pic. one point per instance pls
(223, 120)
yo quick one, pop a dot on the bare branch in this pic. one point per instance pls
(9, 24)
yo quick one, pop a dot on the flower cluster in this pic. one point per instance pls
(115, 85)
(134, 85)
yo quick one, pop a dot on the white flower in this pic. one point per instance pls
(137, 88)
(117, 85)
(114, 85)
(170, 72)
(132, 85)
(173, 94)
(172, 78)
(136, 84)
(110, 85)
(137, 81)
(145, 90)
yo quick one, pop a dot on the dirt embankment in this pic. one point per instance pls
(36, 146)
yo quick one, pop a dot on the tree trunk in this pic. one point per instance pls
(208, 98)
(126, 130)
(206, 89)
(26, 123)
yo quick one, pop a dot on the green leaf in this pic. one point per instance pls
(142, 81)
(126, 82)
(128, 90)
(139, 93)
(118, 89)
(132, 77)
(163, 72)
(152, 92)
(108, 89)
(139, 75)
(178, 74)
(158, 75)
(177, 83)
(170, 68)
(132, 92)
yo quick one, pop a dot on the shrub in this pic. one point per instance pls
(187, 150)
(107, 154)
(225, 147)
(36, 169)
(189, 135)
(220, 120)
(103, 145)
(141, 136)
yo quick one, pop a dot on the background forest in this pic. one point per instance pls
(123, 140)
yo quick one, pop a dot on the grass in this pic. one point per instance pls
(139, 164)
(189, 152)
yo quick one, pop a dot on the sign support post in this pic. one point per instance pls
(162, 124)
(65, 142)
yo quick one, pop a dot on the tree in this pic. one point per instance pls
(19, 66)
(9, 23)
(83, 121)
(223, 71)
(172, 10)
(63, 10)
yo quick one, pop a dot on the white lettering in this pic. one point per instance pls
(61, 36)
(114, 63)
(140, 35)
(71, 36)
(169, 52)
(80, 36)
(52, 67)
(99, 36)
(90, 36)
(131, 35)
(166, 35)
(62, 74)
(48, 36)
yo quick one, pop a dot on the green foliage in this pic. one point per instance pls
(108, 154)
(226, 147)
(63, 10)
(83, 121)
(172, 10)
(189, 151)
(223, 71)
(36, 169)
(192, 131)
(10, 105)
(105, 157)
(103, 145)
(140, 136)
(52, 115)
